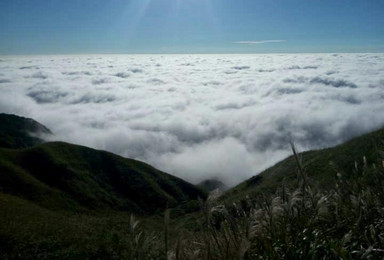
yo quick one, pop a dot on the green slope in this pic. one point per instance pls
(64, 176)
(320, 165)
(59, 200)
(64, 201)
(20, 132)
(28, 231)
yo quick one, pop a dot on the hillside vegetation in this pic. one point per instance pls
(305, 221)
(322, 166)
(63, 176)
(20, 132)
(64, 201)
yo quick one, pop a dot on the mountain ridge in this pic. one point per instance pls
(20, 132)
(82, 178)
(322, 166)
(66, 201)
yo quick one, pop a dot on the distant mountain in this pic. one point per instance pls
(20, 132)
(322, 166)
(64, 176)
(212, 184)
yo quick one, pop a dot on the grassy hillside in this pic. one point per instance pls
(64, 176)
(322, 166)
(59, 200)
(20, 132)
(304, 220)
(64, 201)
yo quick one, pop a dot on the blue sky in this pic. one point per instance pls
(190, 26)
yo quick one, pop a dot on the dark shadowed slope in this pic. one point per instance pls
(20, 132)
(64, 176)
(322, 166)
(60, 175)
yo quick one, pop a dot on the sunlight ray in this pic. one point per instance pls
(131, 17)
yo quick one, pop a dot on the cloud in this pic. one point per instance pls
(4, 81)
(199, 116)
(28, 67)
(334, 83)
(240, 67)
(39, 75)
(75, 73)
(136, 70)
(259, 42)
(122, 75)
(99, 81)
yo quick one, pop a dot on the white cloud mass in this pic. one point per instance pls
(199, 116)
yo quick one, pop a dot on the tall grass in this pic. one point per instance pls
(345, 221)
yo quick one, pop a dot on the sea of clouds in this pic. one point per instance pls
(199, 116)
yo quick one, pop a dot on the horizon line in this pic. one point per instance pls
(187, 53)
